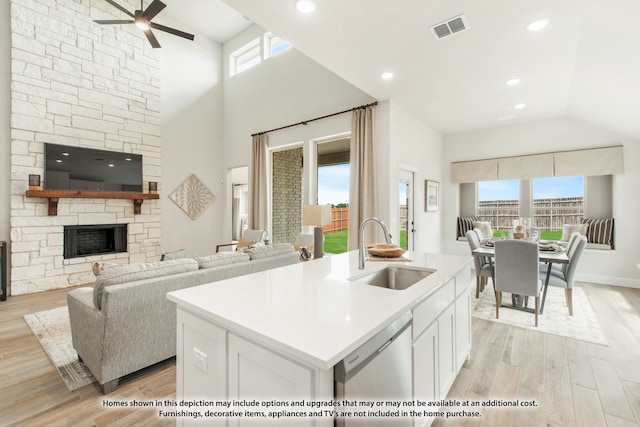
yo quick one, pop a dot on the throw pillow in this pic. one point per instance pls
(599, 231)
(465, 223)
(117, 275)
(484, 227)
(569, 229)
(99, 266)
(168, 256)
(266, 251)
(222, 258)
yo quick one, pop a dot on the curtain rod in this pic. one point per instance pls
(373, 104)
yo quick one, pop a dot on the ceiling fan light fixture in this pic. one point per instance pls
(305, 6)
(142, 23)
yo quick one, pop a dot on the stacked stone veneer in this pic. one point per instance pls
(78, 83)
(287, 195)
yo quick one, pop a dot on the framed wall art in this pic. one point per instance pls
(431, 195)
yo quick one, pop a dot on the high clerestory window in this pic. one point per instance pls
(246, 57)
(254, 52)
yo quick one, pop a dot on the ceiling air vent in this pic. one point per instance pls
(450, 26)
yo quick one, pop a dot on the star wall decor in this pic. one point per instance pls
(192, 196)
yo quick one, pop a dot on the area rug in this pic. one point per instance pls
(583, 325)
(53, 330)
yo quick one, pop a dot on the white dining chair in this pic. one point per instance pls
(484, 268)
(517, 271)
(564, 276)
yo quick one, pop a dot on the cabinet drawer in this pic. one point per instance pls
(463, 281)
(428, 310)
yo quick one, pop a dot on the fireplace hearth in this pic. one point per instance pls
(87, 240)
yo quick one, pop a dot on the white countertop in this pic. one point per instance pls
(309, 310)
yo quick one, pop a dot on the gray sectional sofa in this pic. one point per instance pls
(125, 323)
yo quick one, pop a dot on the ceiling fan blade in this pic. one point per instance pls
(114, 4)
(112, 21)
(152, 39)
(154, 8)
(172, 31)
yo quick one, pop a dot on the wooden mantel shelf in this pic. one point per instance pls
(55, 195)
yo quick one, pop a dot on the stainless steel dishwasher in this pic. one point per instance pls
(380, 371)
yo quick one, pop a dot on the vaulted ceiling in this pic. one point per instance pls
(585, 64)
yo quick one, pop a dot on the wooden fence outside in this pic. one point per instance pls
(340, 220)
(548, 214)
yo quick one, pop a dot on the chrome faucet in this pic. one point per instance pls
(387, 237)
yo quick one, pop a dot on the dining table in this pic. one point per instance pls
(548, 257)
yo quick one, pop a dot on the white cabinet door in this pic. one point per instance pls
(446, 350)
(425, 368)
(201, 362)
(463, 328)
(258, 373)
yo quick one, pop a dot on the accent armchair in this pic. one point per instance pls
(249, 238)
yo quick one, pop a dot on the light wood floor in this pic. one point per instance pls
(573, 383)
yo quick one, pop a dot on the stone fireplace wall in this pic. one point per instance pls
(74, 82)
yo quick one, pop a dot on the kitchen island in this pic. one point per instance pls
(278, 334)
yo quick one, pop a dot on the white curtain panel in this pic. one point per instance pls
(258, 216)
(362, 187)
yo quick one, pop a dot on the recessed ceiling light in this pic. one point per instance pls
(519, 106)
(538, 25)
(386, 75)
(305, 6)
(512, 82)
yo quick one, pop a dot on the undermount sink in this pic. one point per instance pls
(394, 277)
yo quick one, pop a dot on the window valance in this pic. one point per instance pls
(588, 162)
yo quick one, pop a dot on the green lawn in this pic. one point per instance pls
(544, 235)
(336, 243)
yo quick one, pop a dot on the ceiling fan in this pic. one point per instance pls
(142, 19)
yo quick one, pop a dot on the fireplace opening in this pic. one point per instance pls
(86, 240)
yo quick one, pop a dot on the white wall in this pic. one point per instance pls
(285, 89)
(416, 147)
(191, 119)
(617, 267)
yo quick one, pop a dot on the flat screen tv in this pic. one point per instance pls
(88, 169)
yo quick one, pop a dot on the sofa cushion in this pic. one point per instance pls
(266, 251)
(599, 232)
(222, 258)
(116, 275)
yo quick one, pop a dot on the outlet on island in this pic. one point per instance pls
(200, 359)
